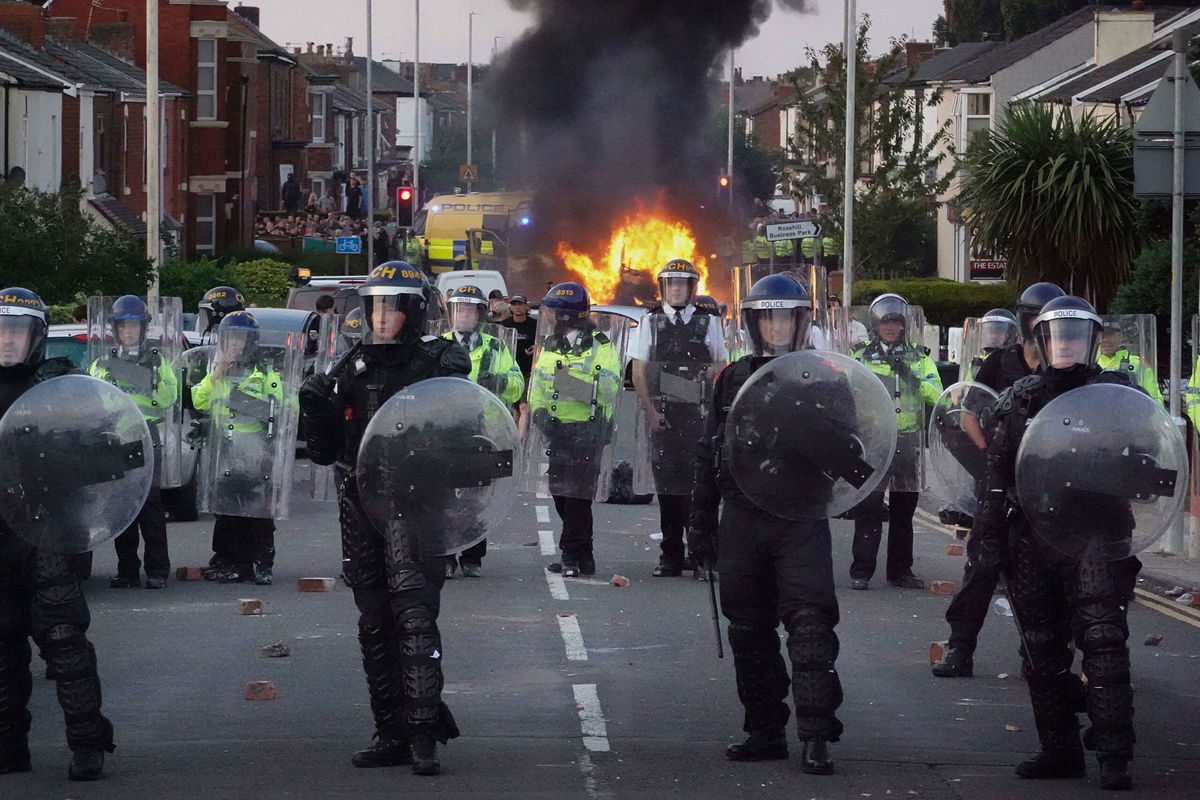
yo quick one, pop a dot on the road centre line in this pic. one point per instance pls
(591, 718)
(543, 514)
(568, 625)
(546, 542)
(558, 587)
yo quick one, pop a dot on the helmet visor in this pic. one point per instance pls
(775, 331)
(677, 289)
(998, 332)
(21, 338)
(1066, 342)
(390, 313)
(465, 317)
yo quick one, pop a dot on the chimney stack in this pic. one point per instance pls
(251, 14)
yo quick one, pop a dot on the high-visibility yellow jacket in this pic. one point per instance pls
(1135, 367)
(494, 368)
(154, 396)
(923, 369)
(577, 384)
(215, 395)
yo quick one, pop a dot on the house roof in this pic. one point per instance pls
(383, 79)
(996, 59)
(932, 69)
(119, 215)
(83, 65)
(24, 76)
(345, 99)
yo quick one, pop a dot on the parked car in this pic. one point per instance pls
(486, 280)
(70, 341)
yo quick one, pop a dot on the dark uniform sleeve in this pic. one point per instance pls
(451, 360)
(322, 419)
(1002, 431)
(989, 372)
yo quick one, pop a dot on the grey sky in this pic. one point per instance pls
(779, 46)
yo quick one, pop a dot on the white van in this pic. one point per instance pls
(486, 280)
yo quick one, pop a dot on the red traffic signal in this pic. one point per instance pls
(405, 194)
(723, 181)
(404, 206)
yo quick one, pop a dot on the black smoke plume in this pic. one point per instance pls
(605, 102)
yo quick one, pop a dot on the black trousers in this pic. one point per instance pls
(150, 525)
(40, 597)
(673, 510)
(775, 570)
(576, 516)
(969, 608)
(243, 540)
(868, 534)
(397, 591)
(1054, 601)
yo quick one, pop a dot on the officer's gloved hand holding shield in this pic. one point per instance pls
(1101, 472)
(810, 435)
(76, 464)
(437, 461)
(957, 446)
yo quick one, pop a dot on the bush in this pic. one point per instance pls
(1149, 292)
(264, 281)
(945, 302)
(190, 280)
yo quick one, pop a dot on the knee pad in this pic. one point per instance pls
(1102, 637)
(418, 633)
(69, 656)
(812, 644)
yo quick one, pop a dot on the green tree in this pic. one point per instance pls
(49, 245)
(969, 21)
(1055, 196)
(897, 194)
(449, 151)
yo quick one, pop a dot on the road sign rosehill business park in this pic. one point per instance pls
(799, 229)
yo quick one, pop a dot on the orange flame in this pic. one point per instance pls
(644, 242)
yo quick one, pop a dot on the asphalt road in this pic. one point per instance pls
(564, 689)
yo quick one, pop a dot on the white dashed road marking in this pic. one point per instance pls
(568, 625)
(591, 718)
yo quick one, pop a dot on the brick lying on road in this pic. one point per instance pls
(248, 607)
(189, 574)
(315, 584)
(942, 587)
(260, 690)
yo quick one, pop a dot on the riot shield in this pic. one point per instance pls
(76, 464)
(981, 336)
(328, 344)
(578, 373)
(436, 465)
(249, 399)
(676, 380)
(1101, 472)
(145, 366)
(957, 446)
(492, 348)
(896, 365)
(1129, 344)
(810, 435)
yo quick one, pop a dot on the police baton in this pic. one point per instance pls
(712, 600)
(338, 367)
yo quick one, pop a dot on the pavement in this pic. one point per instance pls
(567, 688)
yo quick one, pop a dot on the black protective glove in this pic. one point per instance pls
(316, 391)
(904, 372)
(702, 543)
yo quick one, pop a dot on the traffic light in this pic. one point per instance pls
(724, 188)
(404, 206)
(723, 181)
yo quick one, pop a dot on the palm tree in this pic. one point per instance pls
(1055, 195)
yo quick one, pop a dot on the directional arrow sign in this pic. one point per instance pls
(349, 245)
(799, 229)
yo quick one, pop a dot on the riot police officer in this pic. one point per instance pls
(216, 303)
(1055, 598)
(1114, 354)
(396, 589)
(245, 544)
(982, 572)
(492, 367)
(772, 569)
(912, 378)
(141, 371)
(350, 330)
(677, 353)
(40, 594)
(572, 395)
(997, 329)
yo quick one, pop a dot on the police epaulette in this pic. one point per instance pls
(429, 338)
(600, 337)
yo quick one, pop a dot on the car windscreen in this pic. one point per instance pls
(73, 348)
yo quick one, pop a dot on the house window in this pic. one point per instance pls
(318, 187)
(979, 115)
(339, 160)
(317, 101)
(206, 223)
(206, 79)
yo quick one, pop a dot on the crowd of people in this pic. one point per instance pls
(752, 443)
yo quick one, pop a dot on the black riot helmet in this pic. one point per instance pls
(998, 328)
(777, 314)
(397, 286)
(889, 308)
(129, 309)
(1067, 333)
(219, 301)
(709, 305)
(351, 329)
(570, 305)
(23, 325)
(1031, 302)
(678, 274)
(466, 308)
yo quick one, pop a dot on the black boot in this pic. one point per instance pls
(125, 582)
(87, 764)
(759, 746)
(587, 564)
(14, 756)
(263, 575)
(667, 568)
(1049, 764)
(956, 663)
(384, 752)
(815, 760)
(1114, 772)
(424, 754)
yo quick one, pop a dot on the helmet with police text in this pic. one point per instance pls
(237, 335)
(23, 326)
(998, 328)
(219, 301)
(569, 303)
(129, 310)
(393, 289)
(351, 328)
(1030, 304)
(888, 308)
(777, 314)
(466, 308)
(1067, 333)
(678, 281)
(709, 305)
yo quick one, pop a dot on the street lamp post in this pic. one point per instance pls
(851, 53)
(416, 154)
(495, 49)
(470, 86)
(153, 155)
(370, 150)
(729, 143)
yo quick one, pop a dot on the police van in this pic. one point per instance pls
(485, 230)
